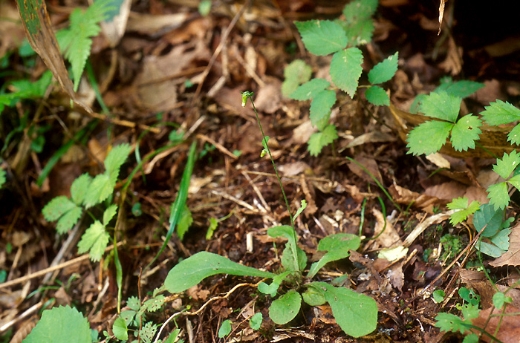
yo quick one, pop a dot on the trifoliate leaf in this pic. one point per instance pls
(429, 137)
(384, 70)
(57, 207)
(115, 159)
(441, 105)
(68, 220)
(514, 135)
(184, 222)
(100, 189)
(319, 140)
(95, 240)
(500, 112)
(296, 73)
(462, 89)
(320, 108)
(79, 188)
(377, 96)
(345, 69)
(507, 164)
(464, 212)
(465, 133)
(498, 196)
(310, 89)
(109, 213)
(322, 37)
(58, 325)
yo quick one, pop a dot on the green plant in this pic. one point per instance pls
(355, 313)
(85, 193)
(340, 38)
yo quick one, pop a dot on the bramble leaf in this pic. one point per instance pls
(429, 137)
(322, 37)
(95, 240)
(358, 23)
(318, 140)
(310, 89)
(465, 132)
(507, 164)
(321, 107)
(377, 96)
(345, 69)
(100, 189)
(384, 70)
(500, 112)
(441, 105)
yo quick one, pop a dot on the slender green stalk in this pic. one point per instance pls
(248, 95)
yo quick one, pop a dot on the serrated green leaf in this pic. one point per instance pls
(120, 329)
(384, 70)
(359, 33)
(441, 105)
(195, 268)
(428, 137)
(109, 213)
(100, 189)
(498, 195)
(464, 212)
(354, 312)
(515, 181)
(500, 112)
(68, 220)
(358, 24)
(296, 73)
(115, 159)
(79, 188)
(154, 304)
(321, 139)
(359, 10)
(147, 332)
(58, 325)
(507, 164)
(345, 69)
(310, 89)
(449, 322)
(184, 222)
(465, 132)
(134, 303)
(57, 207)
(462, 89)
(321, 107)
(514, 135)
(377, 96)
(322, 37)
(285, 308)
(95, 240)
(225, 328)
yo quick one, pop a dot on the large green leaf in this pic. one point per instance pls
(322, 37)
(60, 325)
(345, 69)
(286, 307)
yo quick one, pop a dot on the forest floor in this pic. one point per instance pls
(182, 74)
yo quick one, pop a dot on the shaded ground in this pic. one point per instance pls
(144, 80)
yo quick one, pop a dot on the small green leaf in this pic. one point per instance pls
(441, 105)
(213, 225)
(120, 329)
(285, 308)
(500, 112)
(115, 159)
(438, 296)
(57, 207)
(109, 213)
(296, 73)
(322, 37)
(377, 96)
(303, 206)
(100, 189)
(359, 10)
(451, 323)
(196, 268)
(384, 70)
(320, 108)
(428, 137)
(490, 220)
(318, 140)
(464, 212)
(345, 69)
(354, 312)
(507, 164)
(310, 89)
(313, 297)
(225, 328)
(95, 240)
(155, 303)
(256, 321)
(68, 220)
(338, 247)
(514, 135)
(185, 222)
(2, 174)
(293, 258)
(271, 289)
(465, 132)
(462, 88)
(498, 195)
(147, 332)
(79, 188)
(59, 325)
(500, 299)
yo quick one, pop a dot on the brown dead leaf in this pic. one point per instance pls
(512, 256)
(154, 25)
(490, 319)
(372, 137)
(11, 29)
(405, 196)
(453, 62)
(303, 132)
(369, 164)
(269, 97)
(446, 191)
(387, 236)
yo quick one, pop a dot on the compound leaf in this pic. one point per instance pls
(68, 220)
(95, 240)
(500, 112)
(441, 105)
(507, 164)
(115, 159)
(57, 207)
(322, 37)
(79, 188)
(498, 195)
(464, 212)
(345, 69)
(465, 132)
(100, 189)
(384, 70)
(318, 140)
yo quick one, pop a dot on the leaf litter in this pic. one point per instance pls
(168, 48)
